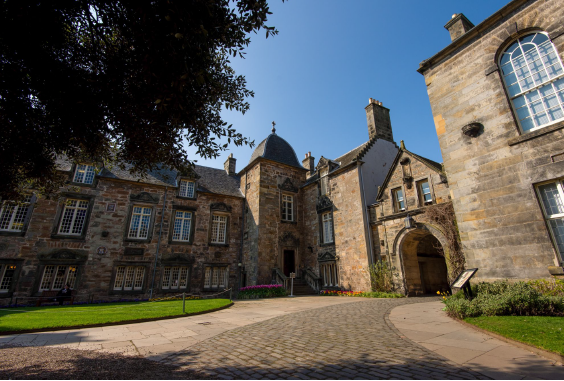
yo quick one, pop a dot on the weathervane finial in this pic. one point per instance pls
(273, 129)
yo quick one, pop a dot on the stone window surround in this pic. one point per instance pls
(393, 197)
(182, 208)
(420, 202)
(214, 266)
(195, 188)
(523, 135)
(151, 222)
(559, 256)
(321, 236)
(22, 232)
(52, 281)
(294, 207)
(227, 228)
(59, 215)
(189, 263)
(116, 264)
(73, 171)
(18, 263)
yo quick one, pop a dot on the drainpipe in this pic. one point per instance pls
(365, 219)
(242, 236)
(158, 244)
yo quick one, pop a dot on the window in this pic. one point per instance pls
(6, 275)
(534, 79)
(182, 226)
(327, 222)
(175, 278)
(219, 228)
(324, 181)
(552, 197)
(129, 278)
(84, 174)
(399, 203)
(13, 215)
(424, 190)
(56, 276)
(287, 208)
(73, 218)
(140, 222)
(187, 188)
(330, 274)
(216, 277)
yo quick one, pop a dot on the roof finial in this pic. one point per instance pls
(402, 144)
(273, 129)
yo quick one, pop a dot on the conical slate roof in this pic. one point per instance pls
(276, 149)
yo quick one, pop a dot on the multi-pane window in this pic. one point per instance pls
(219, 228)
(56, 276)
(330, 274)
(187, 188)
(175, 278)
(6, 277)
(534, 79)
(13, 215)
(424, 192)
(182, 226)
(399, 202)
(129, 278)
(287, 208)
(140, 222)
(324, 182)
(216, 277)
(84, 174)
(327, 223)
(552, 197)
(74, 217)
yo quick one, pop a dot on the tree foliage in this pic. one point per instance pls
(122, 81)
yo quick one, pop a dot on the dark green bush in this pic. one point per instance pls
(262, 291)
(552, 287)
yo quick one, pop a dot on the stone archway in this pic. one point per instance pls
(422, 255)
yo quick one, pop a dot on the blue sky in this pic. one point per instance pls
(315, 77)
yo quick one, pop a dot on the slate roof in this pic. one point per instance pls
(276, 149)
(211, 180)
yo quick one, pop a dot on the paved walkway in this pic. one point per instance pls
(313, 338)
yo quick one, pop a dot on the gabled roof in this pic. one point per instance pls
(437, 167)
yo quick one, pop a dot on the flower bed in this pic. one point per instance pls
(362, 294)
(262, 291)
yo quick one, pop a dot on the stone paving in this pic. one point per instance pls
(345, 341)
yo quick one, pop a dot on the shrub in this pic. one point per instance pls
(504, 298)
(552, 287)
(262, 291)
(376, 294)
(382, 276)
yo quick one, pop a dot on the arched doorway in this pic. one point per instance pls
(423, 261)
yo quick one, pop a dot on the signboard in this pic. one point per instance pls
(463, 278)
(292, 275)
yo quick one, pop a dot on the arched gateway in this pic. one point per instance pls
(422, 255)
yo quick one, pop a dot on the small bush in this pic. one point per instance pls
(382, 276)
(262, 291)
(552, 287)
(375, 294)
(504, 298)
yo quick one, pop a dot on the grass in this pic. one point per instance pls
(28, 318)
(546, 332)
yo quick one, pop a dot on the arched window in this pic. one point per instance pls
(534, 78)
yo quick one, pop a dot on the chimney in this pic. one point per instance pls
(229, 165)
(378, 119)
(309, 164)
(458, 25)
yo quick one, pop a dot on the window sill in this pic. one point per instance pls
(182, 243)
(288, 222)
(127, 292)
(327, 244)
(187, 198)
(145, 240)
(218, 244)
(12, 234)
(72, 183)
(534, 134)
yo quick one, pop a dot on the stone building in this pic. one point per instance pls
(497, 97)
(112, 235)
(409, 239)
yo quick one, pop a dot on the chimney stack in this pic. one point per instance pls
(458, 25)
(378, 119)
(309, 164)
(229, 165)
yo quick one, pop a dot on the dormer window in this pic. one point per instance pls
(84, 174)
(324, 181)
(187, 189)
(399, 203)
(424, 191)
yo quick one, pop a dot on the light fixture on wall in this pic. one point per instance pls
(409, 222)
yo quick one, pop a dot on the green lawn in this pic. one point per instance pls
(546, 332)
(19, 319)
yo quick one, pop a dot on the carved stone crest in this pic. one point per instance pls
(145, 197)
(472, 129)
(288, 239)
(327, 257)
(220, 207)
(288, 186)
(324, 203)
(64, 254)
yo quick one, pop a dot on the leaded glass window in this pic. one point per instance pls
(13, 215)
(187, 188)
(56, 276)
(534, 79)
(424, 192)
(129, 278)
(216, 277)
(399, 202)
(287, 207)
(327, 221)
(84, 174)
(6, 276)
(175, 278)
(74, 217)
(552, 199)
(140, 222)
(219, 228)
(182, 226)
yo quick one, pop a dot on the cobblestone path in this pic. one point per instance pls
(346, 341)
